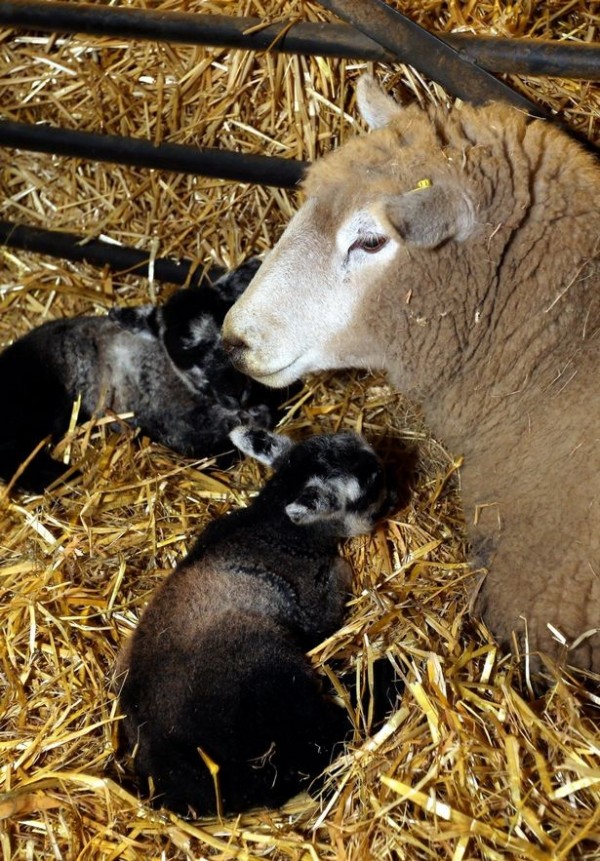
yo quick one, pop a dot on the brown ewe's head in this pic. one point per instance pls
(374, 210)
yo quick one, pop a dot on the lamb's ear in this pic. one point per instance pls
(429, 216)
(374, 105)
(320, 499)
(265, 447)
(142, 320)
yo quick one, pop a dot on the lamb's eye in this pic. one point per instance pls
(370, 242)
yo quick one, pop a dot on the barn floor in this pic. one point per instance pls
(470, 764)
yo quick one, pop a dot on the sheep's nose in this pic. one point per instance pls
(236, 348)
(234, 345)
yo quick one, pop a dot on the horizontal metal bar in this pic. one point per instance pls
(220, 31)
(96, 252)
(538, 57)
(203, 161)
(517, 56)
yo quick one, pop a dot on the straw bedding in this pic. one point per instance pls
(469, 764)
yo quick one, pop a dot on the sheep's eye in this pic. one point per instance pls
(370, 242)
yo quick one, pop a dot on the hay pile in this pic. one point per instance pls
(469, 765)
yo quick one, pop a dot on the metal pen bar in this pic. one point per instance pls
(517, 56)
(221, 31)
(538, 57)
(97, 252)
(412, 44)
(204, 161)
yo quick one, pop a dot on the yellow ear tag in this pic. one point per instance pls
(423, 183)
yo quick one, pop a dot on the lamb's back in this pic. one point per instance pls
(233, 703)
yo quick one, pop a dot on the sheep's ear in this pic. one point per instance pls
(265, 447)
(321, 500)
(374, 105)
(429, 216)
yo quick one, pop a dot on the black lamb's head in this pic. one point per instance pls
(230, 286)
(336, 480)
(188, 326)
(219, 289)
(187, 329)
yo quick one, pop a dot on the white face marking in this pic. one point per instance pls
(201, 329)
(305, 296)
(348, 488)
(331, 499)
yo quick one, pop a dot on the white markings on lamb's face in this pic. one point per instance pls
(352, 495)
(322, 499)
(339, 499)
(201, 330)
(189, 345)
(335, 480)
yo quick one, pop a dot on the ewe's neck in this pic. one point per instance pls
(512, 307)
(490, 356)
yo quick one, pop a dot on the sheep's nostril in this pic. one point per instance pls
(234, 345)
(236, 349)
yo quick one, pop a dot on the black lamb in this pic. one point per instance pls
(222, 709)
(165, 364)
